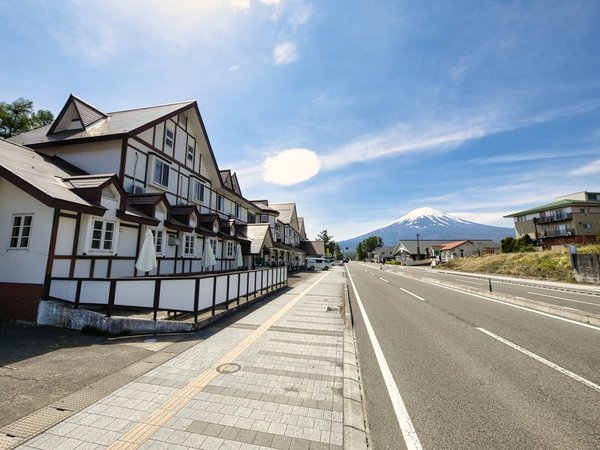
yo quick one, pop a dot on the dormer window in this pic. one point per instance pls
(169, 137)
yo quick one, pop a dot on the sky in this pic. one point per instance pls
(357, 111)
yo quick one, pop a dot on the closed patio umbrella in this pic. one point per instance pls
(208, 258)
(147, 258)
(238, 256)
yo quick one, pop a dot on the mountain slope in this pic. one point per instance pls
(431, 223)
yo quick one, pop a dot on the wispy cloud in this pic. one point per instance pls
(592, 167)
(285, 53)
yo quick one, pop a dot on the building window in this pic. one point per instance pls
(103, 234)
(191, 151)
(189, 245)
(238, 211)
(161, 173)
(213, 244)
(584, 210)
(159, 237)
(586, 226)
(220, 202)
(21, 230)
(229, 249)
(251, 218)
(264, 218)
(169, 137)
(197, 191)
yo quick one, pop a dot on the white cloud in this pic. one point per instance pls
(291, 166)
(234, 68)
(588, 169)
(240, 4)
(301, 16)
(285, 53)
(271, 2)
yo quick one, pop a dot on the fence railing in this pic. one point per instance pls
(187, 294)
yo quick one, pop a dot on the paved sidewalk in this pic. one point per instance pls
(273, 379)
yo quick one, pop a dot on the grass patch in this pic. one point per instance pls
(547, 265)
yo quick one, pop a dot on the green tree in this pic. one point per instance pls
(331, 247)
(366, 246)
(507, 245)
(18, 117)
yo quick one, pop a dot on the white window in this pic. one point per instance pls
(160, 175)
(213, 244)
(220, 202)
(229, 249)
(238, 211)
(159, 238)
(103, 236)
(586, 226)
(21, 230)
(191, 151)
(169, 138)
(197, 191)
(189, 245)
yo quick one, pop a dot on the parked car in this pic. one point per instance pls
(317, 263)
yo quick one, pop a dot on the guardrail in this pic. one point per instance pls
(187, 294)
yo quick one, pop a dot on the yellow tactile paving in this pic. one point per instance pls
(143, 430)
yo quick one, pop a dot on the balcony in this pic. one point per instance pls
(557, 233)
(554, 218)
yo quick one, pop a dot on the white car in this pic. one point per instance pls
(317, 263)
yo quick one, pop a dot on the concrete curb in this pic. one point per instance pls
(572, 314)
(355, 434)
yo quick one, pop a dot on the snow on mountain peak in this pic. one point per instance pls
(426, 213)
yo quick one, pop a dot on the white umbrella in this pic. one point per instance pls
(147, 258)
(238, 256)
(208, 259)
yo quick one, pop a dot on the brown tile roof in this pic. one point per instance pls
(40, 178)
(451, 245)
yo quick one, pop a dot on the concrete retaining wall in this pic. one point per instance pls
(587, 267)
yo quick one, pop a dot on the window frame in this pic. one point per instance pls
(164, 164)
(20, 231)
(229, 252)
(220, 203)
(189, 240)
(191, 149)
(169, 138)
(194, 185)
(159, 243)
(102, 240)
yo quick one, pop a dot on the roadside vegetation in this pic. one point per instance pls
(547, 265)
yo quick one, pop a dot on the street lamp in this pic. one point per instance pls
(418, 249)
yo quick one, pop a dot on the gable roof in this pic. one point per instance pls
(555, 205)
(452, 245)
(260, 235)
(40, 178)
(99, 126)
(75, 110)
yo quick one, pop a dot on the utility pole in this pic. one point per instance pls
(418, 248)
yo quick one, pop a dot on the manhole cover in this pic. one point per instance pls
(228, 368)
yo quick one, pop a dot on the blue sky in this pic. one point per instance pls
(358, 111)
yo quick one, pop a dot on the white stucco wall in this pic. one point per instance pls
(95, 157)
(23, 265)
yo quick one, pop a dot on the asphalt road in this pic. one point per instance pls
(470, 372)
(576, 297)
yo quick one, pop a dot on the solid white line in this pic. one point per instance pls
(541, 313)
(562, 298)
(414, 295)
(383, 279)
(542, 360)
(408, 430)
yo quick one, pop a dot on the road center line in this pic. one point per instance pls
(541, 313)
(562, 298)
(383, 279)
(408, 430)
(542, 360)
(414, 295)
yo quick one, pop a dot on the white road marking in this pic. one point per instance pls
(383, 279)
(562, 298)
(566, 372)
(372, 273)
(408, 430)
(414, 295)
(512, 305)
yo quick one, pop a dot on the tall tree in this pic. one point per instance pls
(366, 246)
(18, 117)
(331, 247)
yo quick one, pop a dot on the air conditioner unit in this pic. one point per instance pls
(139, 190)
(568, 233)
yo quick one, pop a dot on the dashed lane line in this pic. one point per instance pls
(562, 370)
(414, 295)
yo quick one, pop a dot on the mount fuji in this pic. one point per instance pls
(431, 224)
